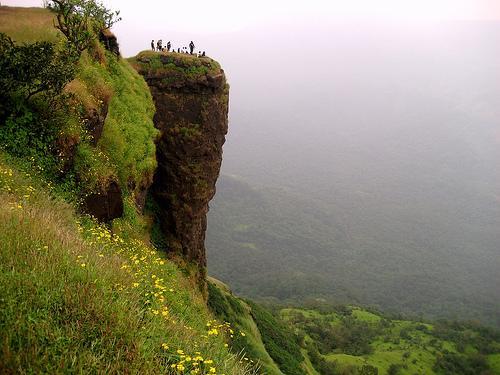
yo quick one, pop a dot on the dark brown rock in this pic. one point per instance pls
(105, 205)
(66, 145)
(94, 120)
(110, 42)
(191, 114)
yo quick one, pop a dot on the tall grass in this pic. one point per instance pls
(76, 298)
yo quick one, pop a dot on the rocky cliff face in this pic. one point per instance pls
(191, 98)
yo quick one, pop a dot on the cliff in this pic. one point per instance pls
(79, 295)
(191, 99)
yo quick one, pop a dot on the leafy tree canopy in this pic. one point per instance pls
(81, 21)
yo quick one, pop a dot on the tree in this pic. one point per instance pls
(368, 370)
(31, 69)
(81, 21)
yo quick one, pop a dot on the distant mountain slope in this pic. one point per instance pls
(274, 243)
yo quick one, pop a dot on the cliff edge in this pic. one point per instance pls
(191, 98)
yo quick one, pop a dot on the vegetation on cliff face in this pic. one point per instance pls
(77, 295)
(100, 133)
(176, 69)
(237, 313)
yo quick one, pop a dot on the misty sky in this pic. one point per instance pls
(201, 17)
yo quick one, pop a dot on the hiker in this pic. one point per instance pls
(168, 46)
(153, 44)
(203, 54)
(178, 50)
(191, 48)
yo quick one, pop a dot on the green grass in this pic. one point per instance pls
(77, 298)
(365, 316)
(414, 346)
(28, 24)
(126, 149)
(494, 362)
(177, 67)
(94, 168)
(279, 340)
(308, 366)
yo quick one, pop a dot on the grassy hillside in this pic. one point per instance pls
(265, 339)
(237, 312)
(28, 24)
(351, 340)
(76, 295)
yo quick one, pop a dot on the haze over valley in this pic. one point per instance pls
(362, 166)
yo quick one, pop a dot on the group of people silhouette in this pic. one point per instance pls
(160, 48)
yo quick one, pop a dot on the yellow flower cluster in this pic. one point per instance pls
(214, 328)
(192, 364)
(143, 264)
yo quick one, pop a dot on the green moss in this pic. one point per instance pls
(93, 168)
(192, 131)
(132, 225)
(129, 133)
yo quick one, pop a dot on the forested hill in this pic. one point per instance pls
(281, 244)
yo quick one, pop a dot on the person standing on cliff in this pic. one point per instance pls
(153, 44)
(191, 48)
(168, 46)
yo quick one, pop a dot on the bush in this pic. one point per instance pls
(394, 369)
(452, 363)
(31, 69)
